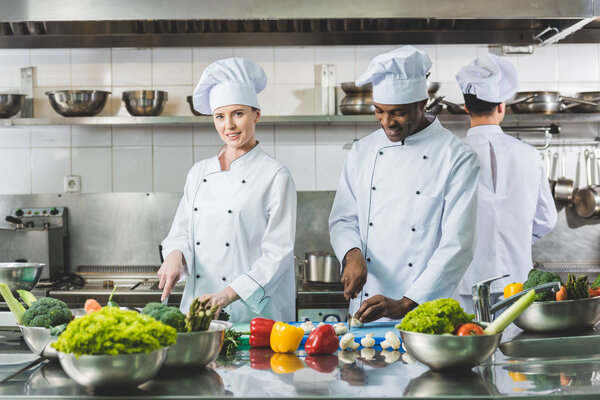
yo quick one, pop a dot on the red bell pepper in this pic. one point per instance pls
(322, 363)
(322, 340)
(260, 358)
(260, 332)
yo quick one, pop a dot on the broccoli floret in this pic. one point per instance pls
(436, 317)
(47, 312)
(537, 277)
(166, 314)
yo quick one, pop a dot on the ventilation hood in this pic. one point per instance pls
(155, 23)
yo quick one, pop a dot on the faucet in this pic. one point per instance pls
(481, 298)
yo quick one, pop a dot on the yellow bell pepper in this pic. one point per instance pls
(285, 338)
(512, 289)
(285, 363)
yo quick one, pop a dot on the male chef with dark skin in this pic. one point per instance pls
(403, 219)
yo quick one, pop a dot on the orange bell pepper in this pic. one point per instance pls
(285, 338)
(285, 363)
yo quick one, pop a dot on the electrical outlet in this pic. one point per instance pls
(72, 183)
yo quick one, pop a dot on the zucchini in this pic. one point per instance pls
(13, 304)
(510, 314)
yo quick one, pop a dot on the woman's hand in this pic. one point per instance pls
(170, 272)
(222, 299)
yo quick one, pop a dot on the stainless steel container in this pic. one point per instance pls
(321, 266)
(77, 103)
(21, 275)
(10, 104)
(556, 316)
(197, 349)
(358, 99)
(145, 102)
(39, 340)
(190, 101)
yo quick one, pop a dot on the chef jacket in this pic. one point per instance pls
(237, 228)
(411, 209)
(515, 207)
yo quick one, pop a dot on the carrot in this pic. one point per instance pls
(594, 291)
(91, 305)
(562, 294)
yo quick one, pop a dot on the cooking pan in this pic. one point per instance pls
(321, 266)
(586, 201)
(543, 102)
(594, 97)
(563, 188)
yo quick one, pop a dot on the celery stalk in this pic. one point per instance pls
(13, 304)
(510, 314)
(27, 297)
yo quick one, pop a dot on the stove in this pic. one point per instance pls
(321, 302)
(137, 286)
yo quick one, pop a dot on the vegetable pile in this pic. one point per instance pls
(113, 331)
(436, 317)
(537, 277)
(577, 288)
(199, 315)
(47, 313)
(168, 315)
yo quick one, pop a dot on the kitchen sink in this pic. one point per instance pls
(573, 344)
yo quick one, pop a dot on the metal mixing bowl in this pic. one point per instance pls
(145, 102)
(197, 348)
(77, 103)
(119, 370)
(38, 340)
(20, 275)
(556, 316)
(10, 104)
(448, 351)
(190, 100)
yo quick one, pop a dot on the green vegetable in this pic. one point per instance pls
(27, 297)
(577, 288)
(47, 312)
(511, 313)
(58, 329)
(230, 343)
(110, 302)
(596, 282)
(199, 316)
(114, 331)
(166, 314)
(536, 278)
(437, 317)
(13, 304)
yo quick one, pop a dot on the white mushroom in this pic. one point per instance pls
(307, 326)
(368, 340)
(347, 342)
(355, 322)
(390, 356)
(340, 328)
(347, 356)
(368, 353)
(391, 340)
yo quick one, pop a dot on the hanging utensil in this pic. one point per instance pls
(563, 189)
(586, 201)
(550, 162)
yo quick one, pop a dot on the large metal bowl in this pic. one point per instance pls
(77, 103)
(21, 275)
(190, 100)
(145, 102)
(119, 370)
(38, 340)
(10, 104)
(556, 316)
(197, 349)
(448, 351)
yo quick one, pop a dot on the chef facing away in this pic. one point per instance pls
(403, 218)
(233, 233)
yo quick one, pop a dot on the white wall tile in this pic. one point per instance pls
(94, 166)
(451, 58)
(171, 165)
(90, 67)
(51, 67)
(330, 162)
(265, 134)
(266, 99)
(295, 148)
(15, 136)
(577, 62)
(41, 104)
(263, 56)
(50, 136)
(177, 103)
(364, 55)
(335, 134)
(203, 56)
(132, 169)
(570, 88)
(172, 66)
(48, 169)
(204, 152)
(538, 86)
(15, 171)
(132, 67)
(11, 62)
(178, 135)
(206, 135)
(89, 135)
(343, 57)
(541, 66)
(294, 65)
(295, 99)
(132, 135)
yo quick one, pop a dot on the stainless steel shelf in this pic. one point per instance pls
(285, 119)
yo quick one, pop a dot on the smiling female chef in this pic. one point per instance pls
(233, 234)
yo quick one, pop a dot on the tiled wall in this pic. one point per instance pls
(146, 158)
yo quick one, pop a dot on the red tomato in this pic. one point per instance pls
(470, 330)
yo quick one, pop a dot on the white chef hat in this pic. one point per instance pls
(229, 81)
(489, 78)
(398, 77)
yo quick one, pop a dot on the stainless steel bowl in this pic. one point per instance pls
(197, 348)
(20, 275)
(145, 102)
(556, 316)
(321, 266)
(119, 370)
(351, 88)
(448, 351)
(10, 104)
(38, 340)
(190, 100)
(77, 103)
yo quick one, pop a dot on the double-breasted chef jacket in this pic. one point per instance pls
(411, 209)
(237, 228)
(515, 207)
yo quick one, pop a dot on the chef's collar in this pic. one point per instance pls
(245, 158)
(484, 130)
(418, 137)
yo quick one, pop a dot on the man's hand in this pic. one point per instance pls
(222, 299)
(355, 274)
(380, 306)
(169, 273)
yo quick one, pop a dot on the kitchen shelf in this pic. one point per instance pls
(286, 119)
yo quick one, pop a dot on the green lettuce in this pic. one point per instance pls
(436, 317)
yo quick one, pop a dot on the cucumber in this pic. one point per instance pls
(510, 314)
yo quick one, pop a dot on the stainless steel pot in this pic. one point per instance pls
(351, 88)
(77, 103)
(586, 201)
(563, 187)
(10, 104)
(543, 102)
(321, 266)
(357, 104)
